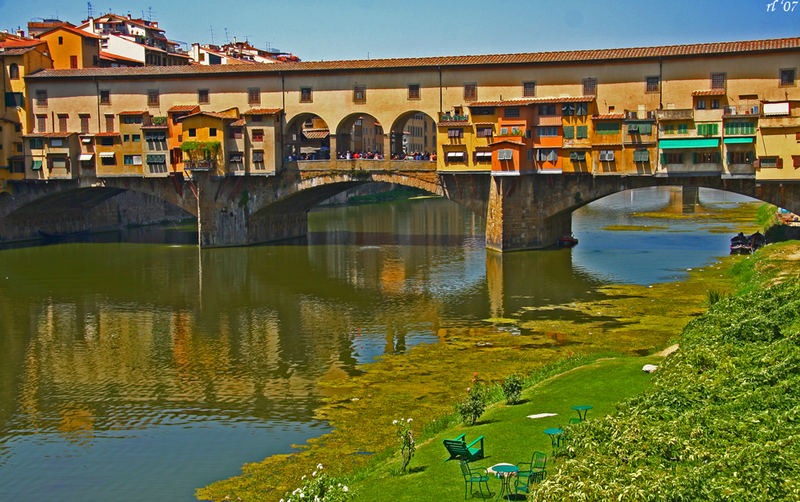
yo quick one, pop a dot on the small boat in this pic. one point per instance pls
(746, 244)
(567, 241)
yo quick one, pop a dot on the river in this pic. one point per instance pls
(133, 369)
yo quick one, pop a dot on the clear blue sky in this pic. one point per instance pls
(351, 29)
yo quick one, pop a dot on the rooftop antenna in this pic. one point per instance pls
(150, 13)
(226, 35)
(211, 29)
(89, 10)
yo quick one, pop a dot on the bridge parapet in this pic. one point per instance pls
(368, 165)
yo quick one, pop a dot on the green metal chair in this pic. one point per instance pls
(524, 484)
(537, 464)
(471, 477)
(460, 450)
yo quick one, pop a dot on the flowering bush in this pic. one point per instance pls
(406, 439)
(512, 388)
(474, 405)
(318, 487)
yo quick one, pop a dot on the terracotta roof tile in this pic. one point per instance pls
(48, 135)
(531, 101)
(102, 134)
(710, 92)
(132, 113)
(501, 141)
(16, 51)
(609, 116)
(208, 114)
(71, 29)
(108, 55)
(238, 123)
(316, 133)
(183, 108)
(262, 111)
(531, 58)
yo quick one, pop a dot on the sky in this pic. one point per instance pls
(360, 29)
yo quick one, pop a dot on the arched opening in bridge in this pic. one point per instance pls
(413, 136)
(360, 135)
(307, 138)
(78, 212)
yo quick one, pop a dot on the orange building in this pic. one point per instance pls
(72, 48)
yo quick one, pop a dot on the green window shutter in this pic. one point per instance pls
(695, 159)
(717, 157)
(582, 132)
(751, 128)
(663, 158)
(714, 129)
(683, 128)
(633, 128)
(646, 129)
(569, 132)
(607, 128)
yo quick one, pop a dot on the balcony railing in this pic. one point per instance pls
(200, 165)
(452, 117)
(682, 114)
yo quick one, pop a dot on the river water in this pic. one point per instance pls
(131, 369)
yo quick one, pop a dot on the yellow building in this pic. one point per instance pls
(18, 57)
(204, 144)
(72, 48)
(777, 146)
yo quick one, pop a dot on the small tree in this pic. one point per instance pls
(512, 388)
(474, 405)
(406, 439)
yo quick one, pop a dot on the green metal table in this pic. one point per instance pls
(582, 410)
(505, 472)
(555, 437)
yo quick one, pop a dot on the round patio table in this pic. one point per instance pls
(505, 472)
(555, 437)
(583, 408)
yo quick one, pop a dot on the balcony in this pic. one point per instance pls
(200, 165)
(452, 118)
(743, 109)
(550, 120)
(681, 114)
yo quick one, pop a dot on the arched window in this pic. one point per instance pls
(13, 71)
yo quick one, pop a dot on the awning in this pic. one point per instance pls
(738, 140)
(36, 165)
(688, 143)
(106, 155)
(86, 139)
(781, 108)
(86, 156)
(455, 155)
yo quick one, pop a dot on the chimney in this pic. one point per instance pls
(20, 33)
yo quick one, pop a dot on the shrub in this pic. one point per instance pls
(512, 388)
(406, 439)
(319, 486)
(474, 405)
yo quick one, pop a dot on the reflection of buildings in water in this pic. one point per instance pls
(494, 283)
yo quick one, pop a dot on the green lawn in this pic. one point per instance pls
(509, 435)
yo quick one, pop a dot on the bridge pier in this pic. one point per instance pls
(525, 212)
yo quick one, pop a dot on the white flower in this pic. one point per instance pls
(339, 484)
(344, 488)
(410, 419)
(319, 466)
(313, 474)
(394, 421)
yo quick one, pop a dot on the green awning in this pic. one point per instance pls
(36, 165)
(688, 143)
(738, 140)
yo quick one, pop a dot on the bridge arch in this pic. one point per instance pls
(361, 132)
(412, 131)
(307, 137)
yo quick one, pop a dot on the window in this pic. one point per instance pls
(202, 96)
(131, 119)
(529, 89)
(577, 157)
(606, 128)
(62, 122)
(107, 140)
(505, 155)
(606, 156)
(569, 132)
(359, 94)
(18, 146)
(212, 131)
(413, 91)
(706, 157)
(717, 80)
(795, 161)
(258, 159)
(136, 138)
(568, 109)
(109, 123)
(483, 156)
(258, 135)
(60, 40)
(37, 143)
(733, 128)
(254, 95)
(305, 95)
(13, 71)
(640, 129)
(15, 99)
(641, 156)
(547, 109)
(484, 132)
(157, 163)
(156, 141)
(714, 104)
(108, 159)
(41, 97)
(769, 162)
(788, 76)
(192, 133)
(581, 132)
(745, 157)
(41, 123)
(707, 129)
(132, 160)
(84, 122)
(455, 132)
(73, 62)
(152, 97)
(581, 109)
(589, 86)
(547, 155)
(126, 138)
(511, 113)
(482, 110)
(105, 97)
(701, 104)
(547, 132)
(672, 158)
(470, 92)
(652, 84)
(57, 142)
(236, 133)
(683, 128)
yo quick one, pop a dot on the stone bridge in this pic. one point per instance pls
(521, 212)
